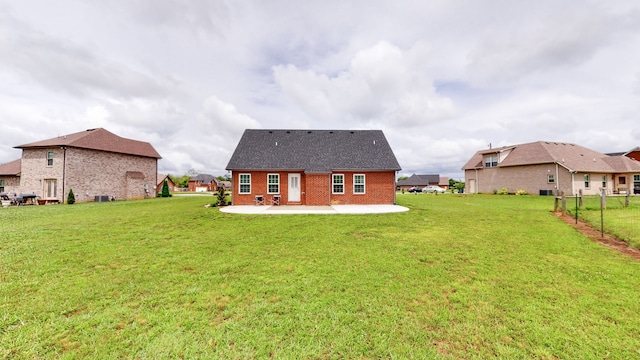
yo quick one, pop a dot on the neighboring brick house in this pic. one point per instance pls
(542, 167)
(633, 153)
(314, 167)
(161, 178)
(202, 183)
(92, 163)
(10, 176)
(422, 181)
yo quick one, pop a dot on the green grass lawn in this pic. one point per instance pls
(456, 277)
(619, 219)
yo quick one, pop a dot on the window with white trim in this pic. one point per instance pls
(337, 184)
(273, 183)
(551, 178)
(604, 181)
(358, 184)
(490, 161)
(2, 185)
(586, 181)
(49, 158)
(245, 183)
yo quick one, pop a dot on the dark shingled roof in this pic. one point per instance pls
(98, 139)
(420, 180)
(318, 151)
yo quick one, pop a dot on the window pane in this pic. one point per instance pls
(338, 184)
(358, 184)
(245, 183)
(273, 181)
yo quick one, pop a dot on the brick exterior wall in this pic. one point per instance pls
(88, 173)
(316, 188)
(11, 184)
(533, 178)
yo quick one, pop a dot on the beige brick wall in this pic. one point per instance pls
(533, 178)
(11, 184)
(88, 173)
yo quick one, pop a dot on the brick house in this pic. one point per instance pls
(161, 178)
(10, 176)
(313, 167)
(92, 163)
(542, 167)
(633, 153)
(422, 181)
(202, 182)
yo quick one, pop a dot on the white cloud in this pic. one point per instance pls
(379, 84)
(441, 78)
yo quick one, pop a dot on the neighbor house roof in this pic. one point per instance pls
(571, 156)
(419, 180)
(204, 178)
(98, 139)
(11, 168)
(313, 151)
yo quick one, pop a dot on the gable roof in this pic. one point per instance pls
(161, 177)
(204, 178)
(12, 168)
(98, 139)
(570, 156)
(420, 180)
(318, 151)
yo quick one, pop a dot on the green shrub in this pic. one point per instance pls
(503, 191)
(521, 192)
(71, 199)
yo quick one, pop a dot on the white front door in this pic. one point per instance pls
(294, 188)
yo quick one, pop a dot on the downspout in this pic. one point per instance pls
(64, 171)
(330, 187)
(557, 179)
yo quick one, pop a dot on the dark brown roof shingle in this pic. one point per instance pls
(98, 139)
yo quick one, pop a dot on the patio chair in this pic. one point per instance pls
(260, 200)
(275, 200)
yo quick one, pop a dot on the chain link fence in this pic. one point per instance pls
(617, 215)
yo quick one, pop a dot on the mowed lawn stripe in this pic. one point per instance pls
(455, 277)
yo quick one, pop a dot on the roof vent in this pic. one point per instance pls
(308, 132)
(288, 132)
(352, 132)
(90, 129)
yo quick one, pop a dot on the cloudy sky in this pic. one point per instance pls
(442, 79)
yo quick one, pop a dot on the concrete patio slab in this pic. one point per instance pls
(303, 209)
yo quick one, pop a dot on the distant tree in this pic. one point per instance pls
(71, 199)
(403, 178)
(165, 189)
(192, 172)
(180, 181)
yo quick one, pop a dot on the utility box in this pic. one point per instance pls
(101, 198)
(546, 192)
